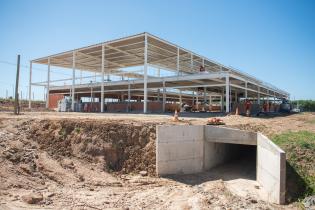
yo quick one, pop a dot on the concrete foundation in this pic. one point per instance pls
(192, 149)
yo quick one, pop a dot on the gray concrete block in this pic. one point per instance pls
(188, 166)
(180, 133)
(271, 170)
(229, 135)
(180, 150)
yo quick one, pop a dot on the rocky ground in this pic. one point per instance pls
(56, 161)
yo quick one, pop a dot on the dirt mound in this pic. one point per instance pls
(118, 147)
(251, 127)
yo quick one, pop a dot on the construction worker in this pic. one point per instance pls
(202, 68)
(265, 107)
(247, 107)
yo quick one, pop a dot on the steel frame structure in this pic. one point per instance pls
(148, 51)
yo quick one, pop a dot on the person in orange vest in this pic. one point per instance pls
(247, 107)
(202, 68)
(265, 107)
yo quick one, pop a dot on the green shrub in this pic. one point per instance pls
(305, 105)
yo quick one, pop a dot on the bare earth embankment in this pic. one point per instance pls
(93, 161)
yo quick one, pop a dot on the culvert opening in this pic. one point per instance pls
(234, 161)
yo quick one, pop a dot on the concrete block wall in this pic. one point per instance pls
(53, 100)
(271, 169)
(191, 149)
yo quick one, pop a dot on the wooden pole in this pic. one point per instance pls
(16, 102)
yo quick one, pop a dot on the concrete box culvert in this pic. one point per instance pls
(189, 149)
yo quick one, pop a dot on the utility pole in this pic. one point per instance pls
(6, 94)
(16, 101)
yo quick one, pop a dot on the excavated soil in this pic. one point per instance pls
(116, 147)
(49, 161)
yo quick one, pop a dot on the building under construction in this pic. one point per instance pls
(144, 73)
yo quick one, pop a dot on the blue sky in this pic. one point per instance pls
(271, 40)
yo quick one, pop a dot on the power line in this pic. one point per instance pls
(38, 69)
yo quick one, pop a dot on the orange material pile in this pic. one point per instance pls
(215, 121)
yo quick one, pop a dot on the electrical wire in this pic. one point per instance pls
(38, 69)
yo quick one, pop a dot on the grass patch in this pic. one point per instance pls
(311, 121)
(300, 151)
(77, 130)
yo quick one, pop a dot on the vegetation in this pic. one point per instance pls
(300, 151)
(10, 99)
(305, 105)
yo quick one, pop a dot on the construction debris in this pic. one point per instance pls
(175, 118)
(32, 198)
(143, 173)
(215, 121)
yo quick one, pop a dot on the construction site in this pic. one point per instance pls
(146, 124)
(144, 73)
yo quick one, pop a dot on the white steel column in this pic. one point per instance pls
(258, 95)
(129, 97)
(102, 87)
(222, 100)
(145, 75)
(48, 84)
(227, 93)
(164, 97)
(177, 63)
(274, 101)
(30, 88)
(246, 89)
(73, 81)
(180, 97)
(197, 101)
(268, 100)
(158, 75)
(191, 62)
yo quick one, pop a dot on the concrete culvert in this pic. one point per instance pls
(228, 154)
(238, 162)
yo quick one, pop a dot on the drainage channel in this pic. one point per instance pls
(229, 154)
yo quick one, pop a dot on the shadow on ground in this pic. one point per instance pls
(242, 168)
(296, 187)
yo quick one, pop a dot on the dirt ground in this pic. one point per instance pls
(94, 161)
